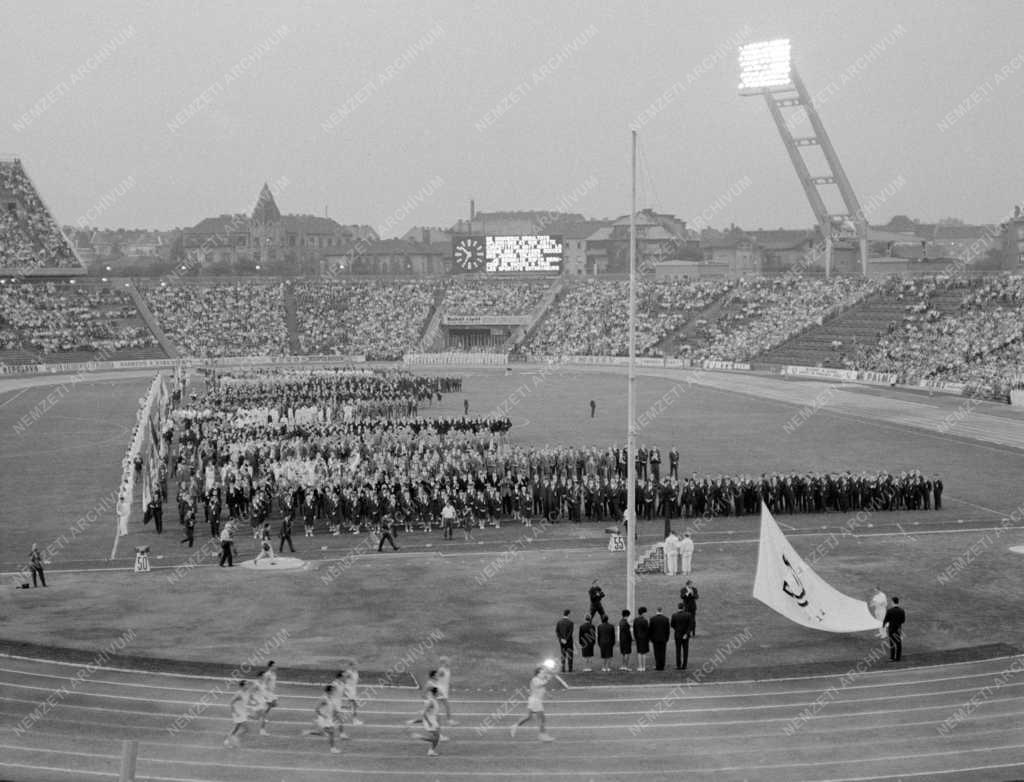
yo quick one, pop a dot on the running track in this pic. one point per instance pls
(882, 725)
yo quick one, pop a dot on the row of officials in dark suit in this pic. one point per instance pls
(645, 634)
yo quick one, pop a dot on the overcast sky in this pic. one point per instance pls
(186, 108)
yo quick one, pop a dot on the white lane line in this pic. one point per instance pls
(181, 675)
(945, 707)
(747, 706)
(975, 505)
(886, 673)
(405, 702)
(548, 773)
(817, 731)
(8, 401)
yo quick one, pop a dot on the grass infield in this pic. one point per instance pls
(492, 602)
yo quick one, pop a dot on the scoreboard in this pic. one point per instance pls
(531, 253)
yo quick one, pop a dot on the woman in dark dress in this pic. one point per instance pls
(641, 634)
(625, 640)
(606, 643)
(588, 637)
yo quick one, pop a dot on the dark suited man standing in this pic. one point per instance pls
(563, 629)
(689, 595)
(893, 622)
(682, 625)
(660, 629)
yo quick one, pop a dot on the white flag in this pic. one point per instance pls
(787, 585)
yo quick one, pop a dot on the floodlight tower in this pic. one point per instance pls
(766, 68)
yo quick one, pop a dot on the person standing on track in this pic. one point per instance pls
(35, 564)
(893, 623)
(588, 638)
(625, 640)
(686, 554)
(535, 703)
(642, 635)
(387, 525)
(688, 594)
(563, 629)
(448, 519)
(606, 643)
(286, 535)
(660, 631)
(682, 625)
(596, 595)
(226, 543)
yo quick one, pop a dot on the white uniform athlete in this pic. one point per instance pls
(266, 685)
(349, 691)
(430, 720)
(535, 703)
(326, 718)
(443, 679)
(239, 715)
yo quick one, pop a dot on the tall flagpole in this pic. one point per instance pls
(631, 529)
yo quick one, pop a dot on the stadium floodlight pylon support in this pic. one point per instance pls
(766, 68)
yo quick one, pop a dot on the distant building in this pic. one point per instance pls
(575, 241)
(428, 235)
(390, 256)
(514, 223)
(737, 250)
(291, 243)
(659, 237)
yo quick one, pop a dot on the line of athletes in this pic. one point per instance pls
(254, 700)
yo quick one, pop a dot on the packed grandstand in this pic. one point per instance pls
(960, 330)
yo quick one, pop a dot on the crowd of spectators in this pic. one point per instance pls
(29, 236)
(759, 313)
(381, 320)
(54, 317)
(468, 296)
(591, 317)
(981, 344)
(208, 321)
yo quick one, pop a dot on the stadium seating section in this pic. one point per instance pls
(64, 321)
(234, 319)
(29, 236)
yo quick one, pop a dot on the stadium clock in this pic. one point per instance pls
(469, 253)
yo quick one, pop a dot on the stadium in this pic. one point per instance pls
(269, 453)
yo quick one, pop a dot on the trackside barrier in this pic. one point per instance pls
(170, 363)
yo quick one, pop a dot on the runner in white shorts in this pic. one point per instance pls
(535, 703)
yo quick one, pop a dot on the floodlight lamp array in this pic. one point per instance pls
(765, 65)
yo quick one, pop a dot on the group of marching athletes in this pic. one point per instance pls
(254, 700)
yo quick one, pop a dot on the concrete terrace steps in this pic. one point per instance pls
(863, 321)
(431, 340)
(291, 318)
(687, 334)
(524, 333)
(146, 314)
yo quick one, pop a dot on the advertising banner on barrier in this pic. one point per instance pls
(738, 366)
(826, 372)
(1017, 398)
(19, 369)
(878, 378)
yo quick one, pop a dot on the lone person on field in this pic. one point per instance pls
(894, 620)
(35, 563)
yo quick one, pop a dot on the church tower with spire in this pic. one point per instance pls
(266, 224)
